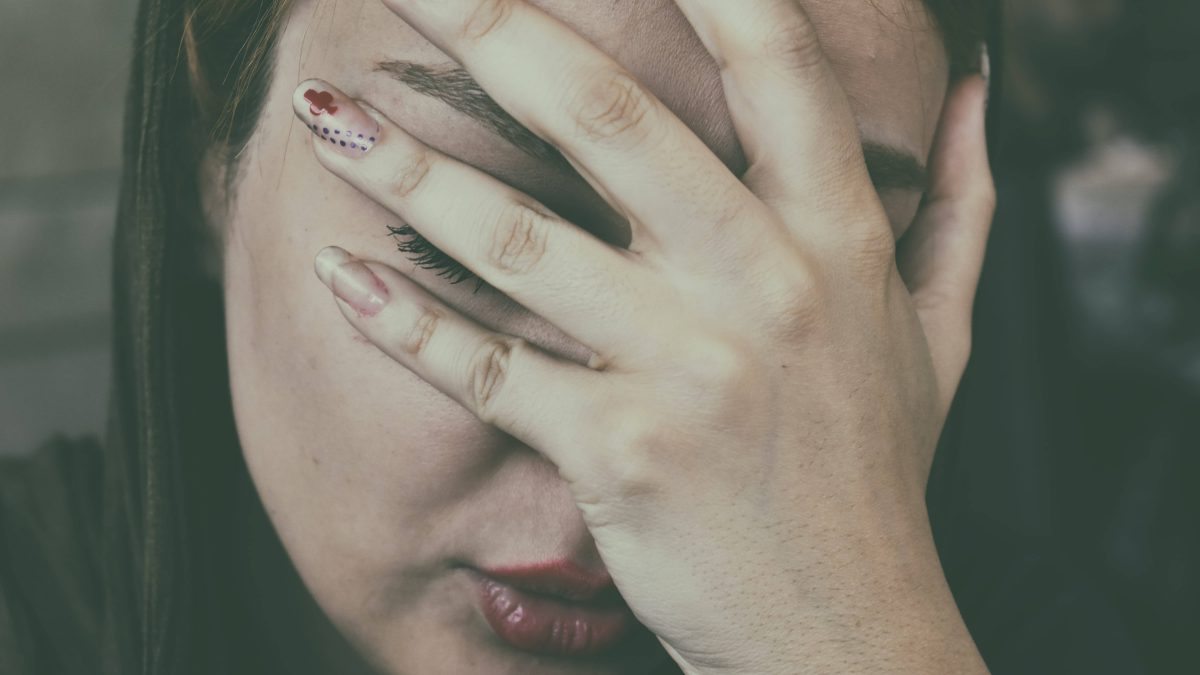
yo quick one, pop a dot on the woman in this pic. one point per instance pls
(712, 403)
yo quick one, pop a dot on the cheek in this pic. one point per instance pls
(309, 389)
(349, 450)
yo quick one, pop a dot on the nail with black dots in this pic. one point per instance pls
(335, 118)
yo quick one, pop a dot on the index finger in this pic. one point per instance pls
(626, 143)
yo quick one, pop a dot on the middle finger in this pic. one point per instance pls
(678, 195)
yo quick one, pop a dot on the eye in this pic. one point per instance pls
(424, 254)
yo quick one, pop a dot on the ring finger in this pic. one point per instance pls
(542, 400)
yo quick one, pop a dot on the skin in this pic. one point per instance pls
(779, 351)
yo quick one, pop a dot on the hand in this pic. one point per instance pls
(750, 442)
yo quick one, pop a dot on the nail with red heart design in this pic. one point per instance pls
(335, 118)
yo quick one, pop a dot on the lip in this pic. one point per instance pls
(532, 613)
(563, 578)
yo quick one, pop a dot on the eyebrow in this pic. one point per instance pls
(890, 167)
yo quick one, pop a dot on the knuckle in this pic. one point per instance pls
(873, 250)
(845, 176)
(634, 440)
(795, 296)
(421, 333)
(487, 375)
(610, 105)
(485, 18)
(519, 239)
(793, 45)
(410, 175)
(932, 299)
(790, 284)
(732, 212)
(713, 364)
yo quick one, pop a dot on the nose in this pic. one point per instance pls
(545, 498)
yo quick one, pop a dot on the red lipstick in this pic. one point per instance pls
(556, 577)
(554, 608)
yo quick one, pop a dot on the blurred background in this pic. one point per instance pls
(63, 70)
(1093, 277)
(1097, 235)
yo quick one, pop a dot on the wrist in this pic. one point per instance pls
(871, 599)
(884, 604)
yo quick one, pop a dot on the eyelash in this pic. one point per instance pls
(424, 254)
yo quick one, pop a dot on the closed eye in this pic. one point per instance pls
(424, 254)
(891, 168)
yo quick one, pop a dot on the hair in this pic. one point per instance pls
(228, 49)
(201, 70)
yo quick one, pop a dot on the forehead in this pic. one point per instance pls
(887, 55)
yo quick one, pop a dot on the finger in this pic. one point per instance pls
(545, 402)
(679, 197)
(790, 112)
(596, 293)
(941, 256)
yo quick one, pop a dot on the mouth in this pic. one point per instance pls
(553, 609)
(562, 578)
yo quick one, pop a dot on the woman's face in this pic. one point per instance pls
(380, 487)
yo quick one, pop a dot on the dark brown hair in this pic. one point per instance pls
(228, 46)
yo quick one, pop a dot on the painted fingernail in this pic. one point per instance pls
(351, 281)
(335, 118)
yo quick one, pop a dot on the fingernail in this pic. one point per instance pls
(335, 118)
(351, 281)
(985, 63)
(985, 70)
